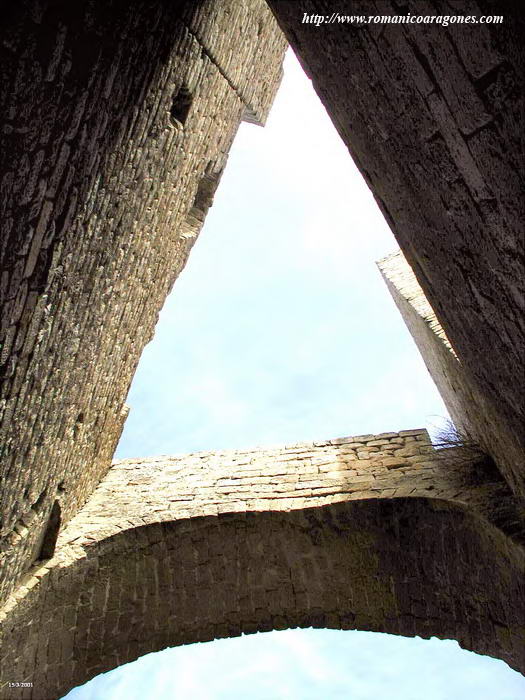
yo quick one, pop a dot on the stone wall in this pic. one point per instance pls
(389, 465)
(118, 122)
(467, 407)
(369, 532)
(430, 338)
(432, 116)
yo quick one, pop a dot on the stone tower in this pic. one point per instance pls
(118, 122)
(432, 114)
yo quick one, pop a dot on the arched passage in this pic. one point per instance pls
(409, 566)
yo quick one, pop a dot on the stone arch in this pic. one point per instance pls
(409, 566)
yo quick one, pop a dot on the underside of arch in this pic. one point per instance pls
(408, 566)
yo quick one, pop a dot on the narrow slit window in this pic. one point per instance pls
(181, 105)
(49, 539)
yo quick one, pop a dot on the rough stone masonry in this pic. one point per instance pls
(433, 118)
(373, 532)
(117, 119)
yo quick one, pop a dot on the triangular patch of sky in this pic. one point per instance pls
(279, 330)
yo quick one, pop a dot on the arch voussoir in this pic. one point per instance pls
(409, 566)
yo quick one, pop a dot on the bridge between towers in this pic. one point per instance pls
(377, 533)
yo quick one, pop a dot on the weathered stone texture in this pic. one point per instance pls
(368, 532)
(432, 116)
(467, 407)
(353, 565)
(119, 117)
(103, 191)
(390, 465)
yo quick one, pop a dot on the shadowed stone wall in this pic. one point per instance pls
(353, 533)
(430, 338)
(432, 116)
(118, 118)
(466, 406)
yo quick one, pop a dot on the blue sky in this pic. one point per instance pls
(280, 329)
(310, 665)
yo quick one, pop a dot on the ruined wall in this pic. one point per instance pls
(466, 406)
(389, 465)
(430, 338)
(368, 532)
(432, 116)
(119, 118)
